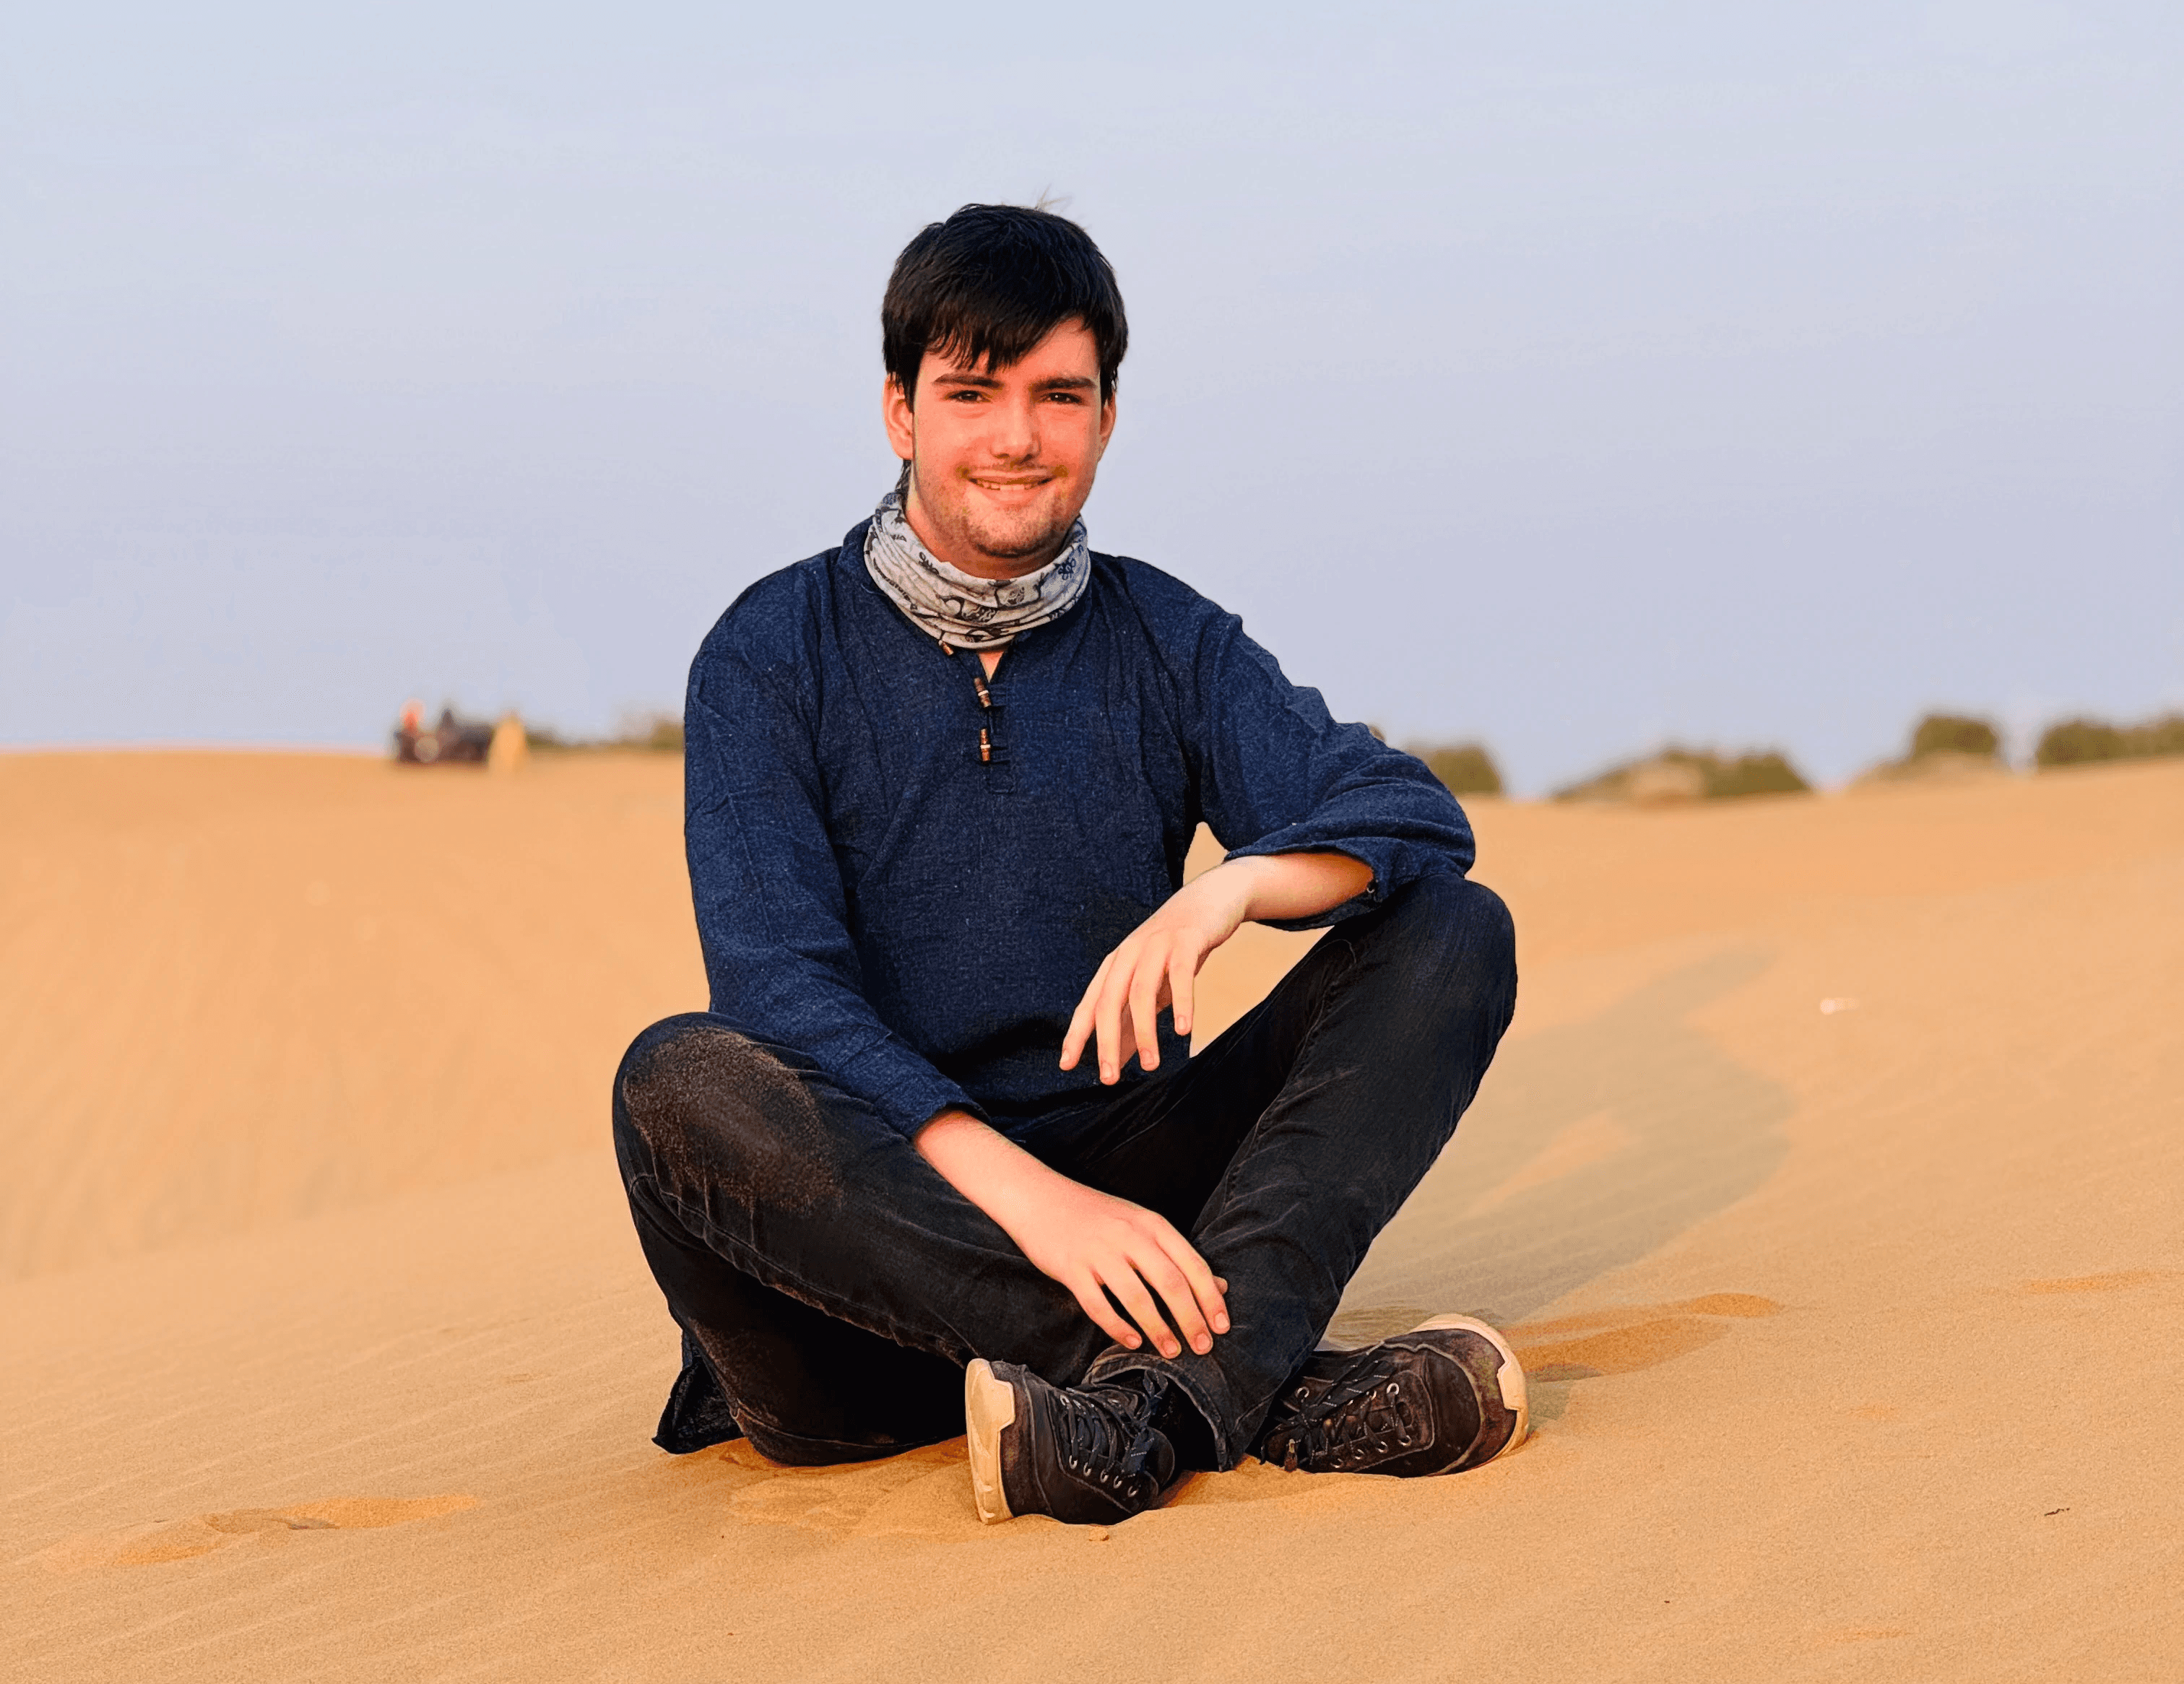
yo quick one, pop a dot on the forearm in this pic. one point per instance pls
(1290, 885)
(987, 1168)
(1094, 1244)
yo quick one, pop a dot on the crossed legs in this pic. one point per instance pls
(831, 1285)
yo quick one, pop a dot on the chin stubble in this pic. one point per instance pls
(1004, 545)
(1045, 543)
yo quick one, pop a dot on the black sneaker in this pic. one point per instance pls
(1089, 1455)
(1439, 1399)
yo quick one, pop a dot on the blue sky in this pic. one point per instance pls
(1573, 377)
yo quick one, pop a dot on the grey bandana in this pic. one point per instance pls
(963, 611)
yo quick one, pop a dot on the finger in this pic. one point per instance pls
(1174, 1287)
(1208, 1289)
(1130, 1293)
(1183, 987)
(1080, 1021)
(1093, 1303)
(1108, 1015)
(1127, 1047)
(1145, 1010)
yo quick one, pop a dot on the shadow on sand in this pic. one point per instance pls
(1590, 1145)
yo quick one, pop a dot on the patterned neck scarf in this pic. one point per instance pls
(963, 611)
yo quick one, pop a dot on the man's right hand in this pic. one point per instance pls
(1092, 1242)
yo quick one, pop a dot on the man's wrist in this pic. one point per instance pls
(1235, 884)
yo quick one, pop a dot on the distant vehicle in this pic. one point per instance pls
(451, 743)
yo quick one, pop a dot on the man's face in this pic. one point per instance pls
(1002, 459)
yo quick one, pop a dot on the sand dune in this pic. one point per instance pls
(1829, 1182)
(242, 988)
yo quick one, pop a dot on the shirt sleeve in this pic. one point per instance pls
(1278, 774)
(772, 918)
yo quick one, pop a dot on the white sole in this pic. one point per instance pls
(989, 1404)
(1510, 1377)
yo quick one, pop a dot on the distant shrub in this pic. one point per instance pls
(664, 735)
(1465, 767)
(2078, 742)
(1953, 734)
(657, 733)
(1688, 773)
(1769, 773)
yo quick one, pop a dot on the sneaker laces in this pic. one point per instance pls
(1109, 1442)
(1350, 1419)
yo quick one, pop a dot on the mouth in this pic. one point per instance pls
(1011, 482)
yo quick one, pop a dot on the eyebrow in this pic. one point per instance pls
(987, 382)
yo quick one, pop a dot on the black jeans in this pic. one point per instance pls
(831, 1286)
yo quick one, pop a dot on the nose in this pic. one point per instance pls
(1015, 436)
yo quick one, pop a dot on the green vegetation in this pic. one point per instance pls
(1944, 746)
(1690, 775)
(662, 734)
(1953, 734)
(651, 733)
(1465, 767)
(2079, 742)
(1768, 773)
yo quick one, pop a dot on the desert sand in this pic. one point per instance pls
(1828, 1182)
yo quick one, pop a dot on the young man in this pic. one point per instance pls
(900, 1180)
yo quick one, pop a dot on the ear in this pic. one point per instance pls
(1107, 422)
(896, 414)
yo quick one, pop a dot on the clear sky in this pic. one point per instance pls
(1570, 376)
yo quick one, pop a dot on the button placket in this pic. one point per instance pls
(993, 752)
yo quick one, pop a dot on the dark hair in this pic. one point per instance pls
(989, 283)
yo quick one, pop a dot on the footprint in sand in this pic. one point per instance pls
(1624, 1340)
(161, 1541)
(1617, 1341)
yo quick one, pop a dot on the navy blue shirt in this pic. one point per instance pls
(912, 888)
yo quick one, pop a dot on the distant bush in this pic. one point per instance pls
(655, 733)
(664, 735)
(1465, 767)
(2078, 742)
(1689, 774)
(1953, 734)
(1769, 773)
